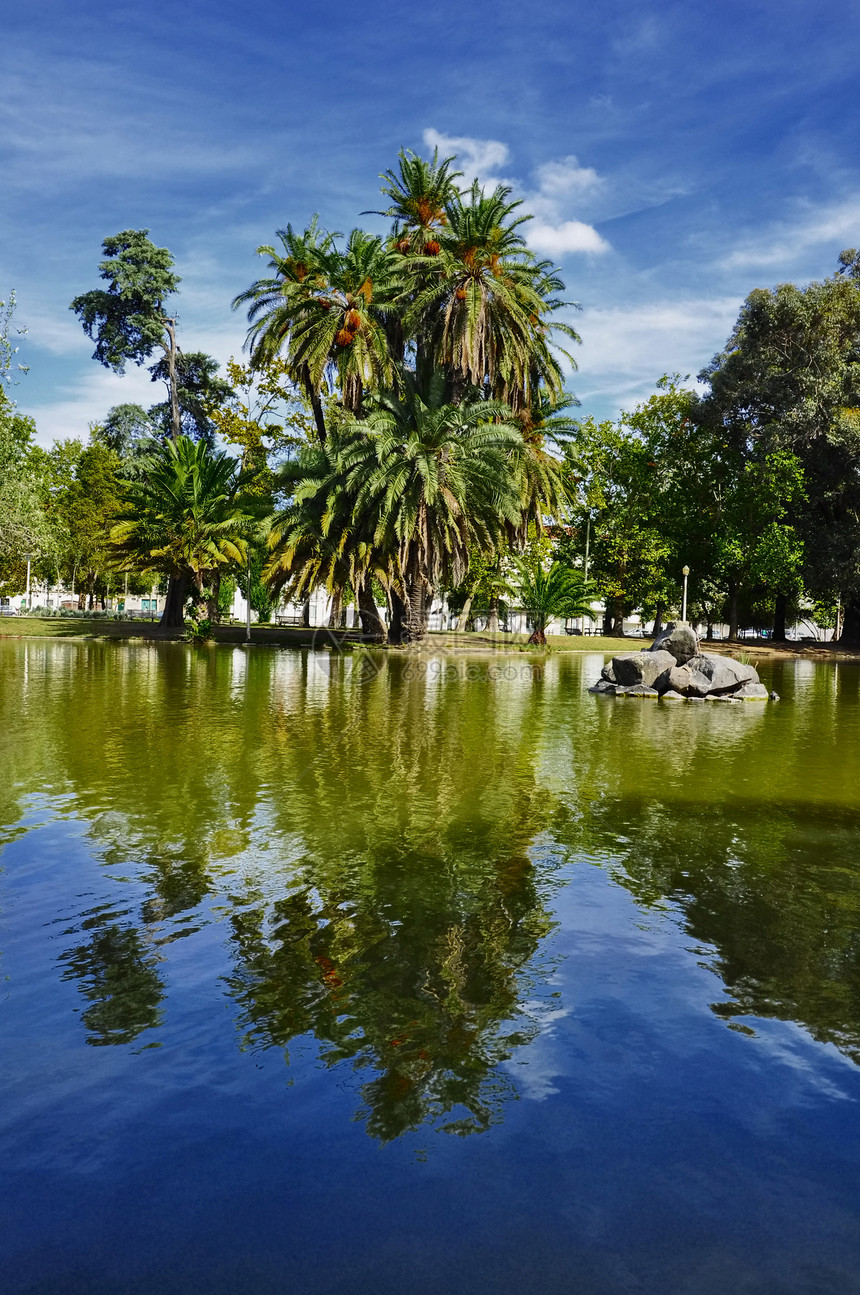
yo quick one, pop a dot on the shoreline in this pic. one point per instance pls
(449, 642)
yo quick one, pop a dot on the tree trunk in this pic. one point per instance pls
(418, 598)
(313, 396)
(538, 634)
(606, 631)
(733, 611)
(463, 618)
(372, 624)
(779, 617)
(175, 416)
(306, 614)
(172, 617)
(214, 586)
(658, 619)
(850, 635)
(493, 615)
(397, 621)
(335, 610)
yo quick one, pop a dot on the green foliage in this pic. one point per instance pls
(789, 381)
(186, 517)
(547, 593)
(23, 529)
(199, 390)
(127, 320)
(258, 591)
(124, 430)
(8, 348)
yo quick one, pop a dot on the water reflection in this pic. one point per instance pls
(382, 844)
(365, 826)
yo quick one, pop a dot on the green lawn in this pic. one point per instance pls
(288, 636)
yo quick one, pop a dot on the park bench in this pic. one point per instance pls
(290, 620)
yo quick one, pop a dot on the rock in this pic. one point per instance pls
(637, 690)
(697, 699)
(607, 673)
(751, 692)
(717, 674)
(671, 695)
(603, 686)
(679, 639)
(675, 679)
(640, 667)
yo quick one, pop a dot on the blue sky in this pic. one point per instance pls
(674, 157)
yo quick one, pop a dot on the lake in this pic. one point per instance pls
(363, 973)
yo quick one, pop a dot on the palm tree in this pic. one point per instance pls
(487, 303)
(326, 309)
(185, 518)
(431, 482)
(561, 591)
(274, 302)
(313, 540)
(419, 193)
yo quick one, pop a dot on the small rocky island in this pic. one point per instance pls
(673, 669)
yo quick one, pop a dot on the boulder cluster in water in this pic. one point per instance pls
(674, 669)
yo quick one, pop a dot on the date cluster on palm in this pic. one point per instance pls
(674, 669)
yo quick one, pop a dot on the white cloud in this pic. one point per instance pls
(568, 236)
(786, 240)
(86, 400)
(560, 182)
(626, 349)
(477, 158)
(565, 176)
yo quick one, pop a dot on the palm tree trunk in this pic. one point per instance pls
(172, 617)
(214, 585)
(463, 618)
(313, 396)
(306, 614)
(397, 620)
(372, 624)
(335, 610)
(493, 616)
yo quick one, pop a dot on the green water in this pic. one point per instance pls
(423, 975)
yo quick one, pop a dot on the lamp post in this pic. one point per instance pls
(29, 599)
(685, 571)
(248, 601)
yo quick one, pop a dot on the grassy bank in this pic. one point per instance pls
(439, 641)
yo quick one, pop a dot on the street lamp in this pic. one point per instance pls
(248, 601)
(685, 571)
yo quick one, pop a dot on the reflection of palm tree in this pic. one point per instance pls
(408, 947)
(120, 979)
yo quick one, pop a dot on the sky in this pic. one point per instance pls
(673, 158)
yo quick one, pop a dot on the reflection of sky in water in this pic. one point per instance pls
(585, 971)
